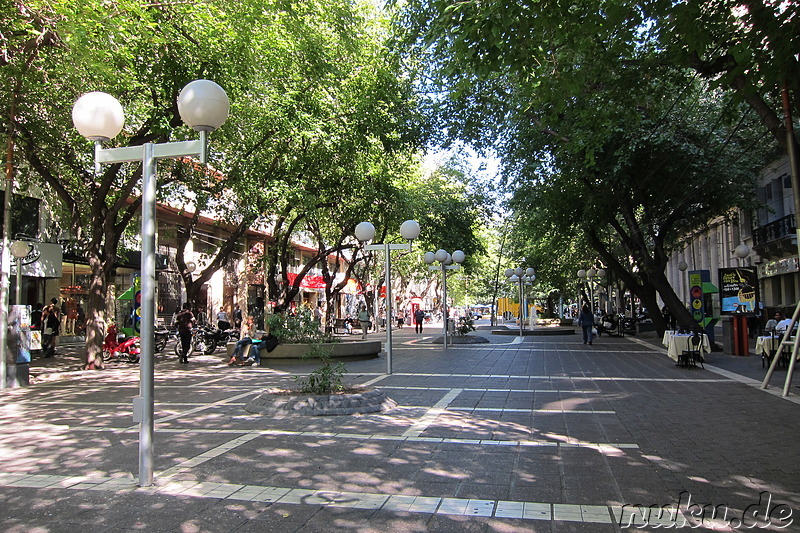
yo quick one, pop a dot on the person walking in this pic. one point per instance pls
(237, 317)
(419, 318)
(185, 322)
(222, 320)
(586, 322)
(51, 321)
(318, 316)
(363, 319)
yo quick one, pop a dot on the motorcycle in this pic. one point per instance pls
(117, 345)
(617, 326)
(220, 337)
(162, 335)
(202, 341)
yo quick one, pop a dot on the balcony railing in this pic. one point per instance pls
(774, 231)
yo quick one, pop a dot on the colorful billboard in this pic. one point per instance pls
(738, 290)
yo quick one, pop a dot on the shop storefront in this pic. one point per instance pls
(43, 263)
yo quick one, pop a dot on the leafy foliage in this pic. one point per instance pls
(300, 328)
(465, 325)
(610, 142)
(326, 379)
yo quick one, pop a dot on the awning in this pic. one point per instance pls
(308, 282)
(129, 294)
(311, 282)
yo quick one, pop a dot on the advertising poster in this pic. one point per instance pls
(738, 290)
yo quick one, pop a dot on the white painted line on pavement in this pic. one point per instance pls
(428, 418)
(775, 391)
(553, 512)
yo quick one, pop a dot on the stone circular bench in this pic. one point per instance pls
(339, 350)
(282, 404)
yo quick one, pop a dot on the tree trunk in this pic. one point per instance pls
(673, 302)
(96, 316)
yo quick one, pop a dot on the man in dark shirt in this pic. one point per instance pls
(185, 322)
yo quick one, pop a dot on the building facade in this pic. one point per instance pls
(770, 236)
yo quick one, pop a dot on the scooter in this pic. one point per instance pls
(119, 346)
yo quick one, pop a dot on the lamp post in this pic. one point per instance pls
(741, 252)
(203, 106)
(365, 231)
(521, 275)
(19, 249)
(446, 262)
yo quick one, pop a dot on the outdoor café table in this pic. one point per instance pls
(677, 343)
(766, 344)
(667, 334)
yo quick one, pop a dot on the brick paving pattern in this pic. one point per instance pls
(542, 434)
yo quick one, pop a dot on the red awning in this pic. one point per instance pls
(308, 281)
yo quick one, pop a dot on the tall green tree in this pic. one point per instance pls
(143, 54)
(575, 96)
(284, 91)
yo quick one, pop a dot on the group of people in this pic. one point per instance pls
(249, 337)
(364, 320)
(47, 319)
(777, 324)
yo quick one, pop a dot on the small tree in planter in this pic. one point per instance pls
(465, 325)
(301, 329)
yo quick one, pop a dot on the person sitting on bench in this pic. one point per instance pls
(248, 334)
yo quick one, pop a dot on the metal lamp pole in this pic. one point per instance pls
(365, 231)
(446, 261)
(19, 249)
(521, 275)
(203, 106)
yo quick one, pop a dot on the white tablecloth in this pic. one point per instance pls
(764, 345)
(667, 334)
(769, 343)
(677, 343)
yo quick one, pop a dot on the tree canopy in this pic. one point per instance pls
(616, 120)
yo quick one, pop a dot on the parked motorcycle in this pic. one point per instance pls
(117, 345)
(162, 335)
(220, 337)
(202, 341)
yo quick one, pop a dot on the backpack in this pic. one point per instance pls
(269, 342)
(53, 322)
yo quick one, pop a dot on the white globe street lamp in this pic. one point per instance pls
(98, 116)
(521, 276)
(19, 249)
(446, 262)
(365, 231)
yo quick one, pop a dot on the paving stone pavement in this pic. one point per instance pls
(532, 434)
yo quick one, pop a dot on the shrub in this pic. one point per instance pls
(302, 329)
(465, 325)
(299, 329)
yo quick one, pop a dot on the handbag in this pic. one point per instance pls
(48, 331)
(594, 330)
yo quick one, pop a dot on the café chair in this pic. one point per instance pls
(693, 355)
